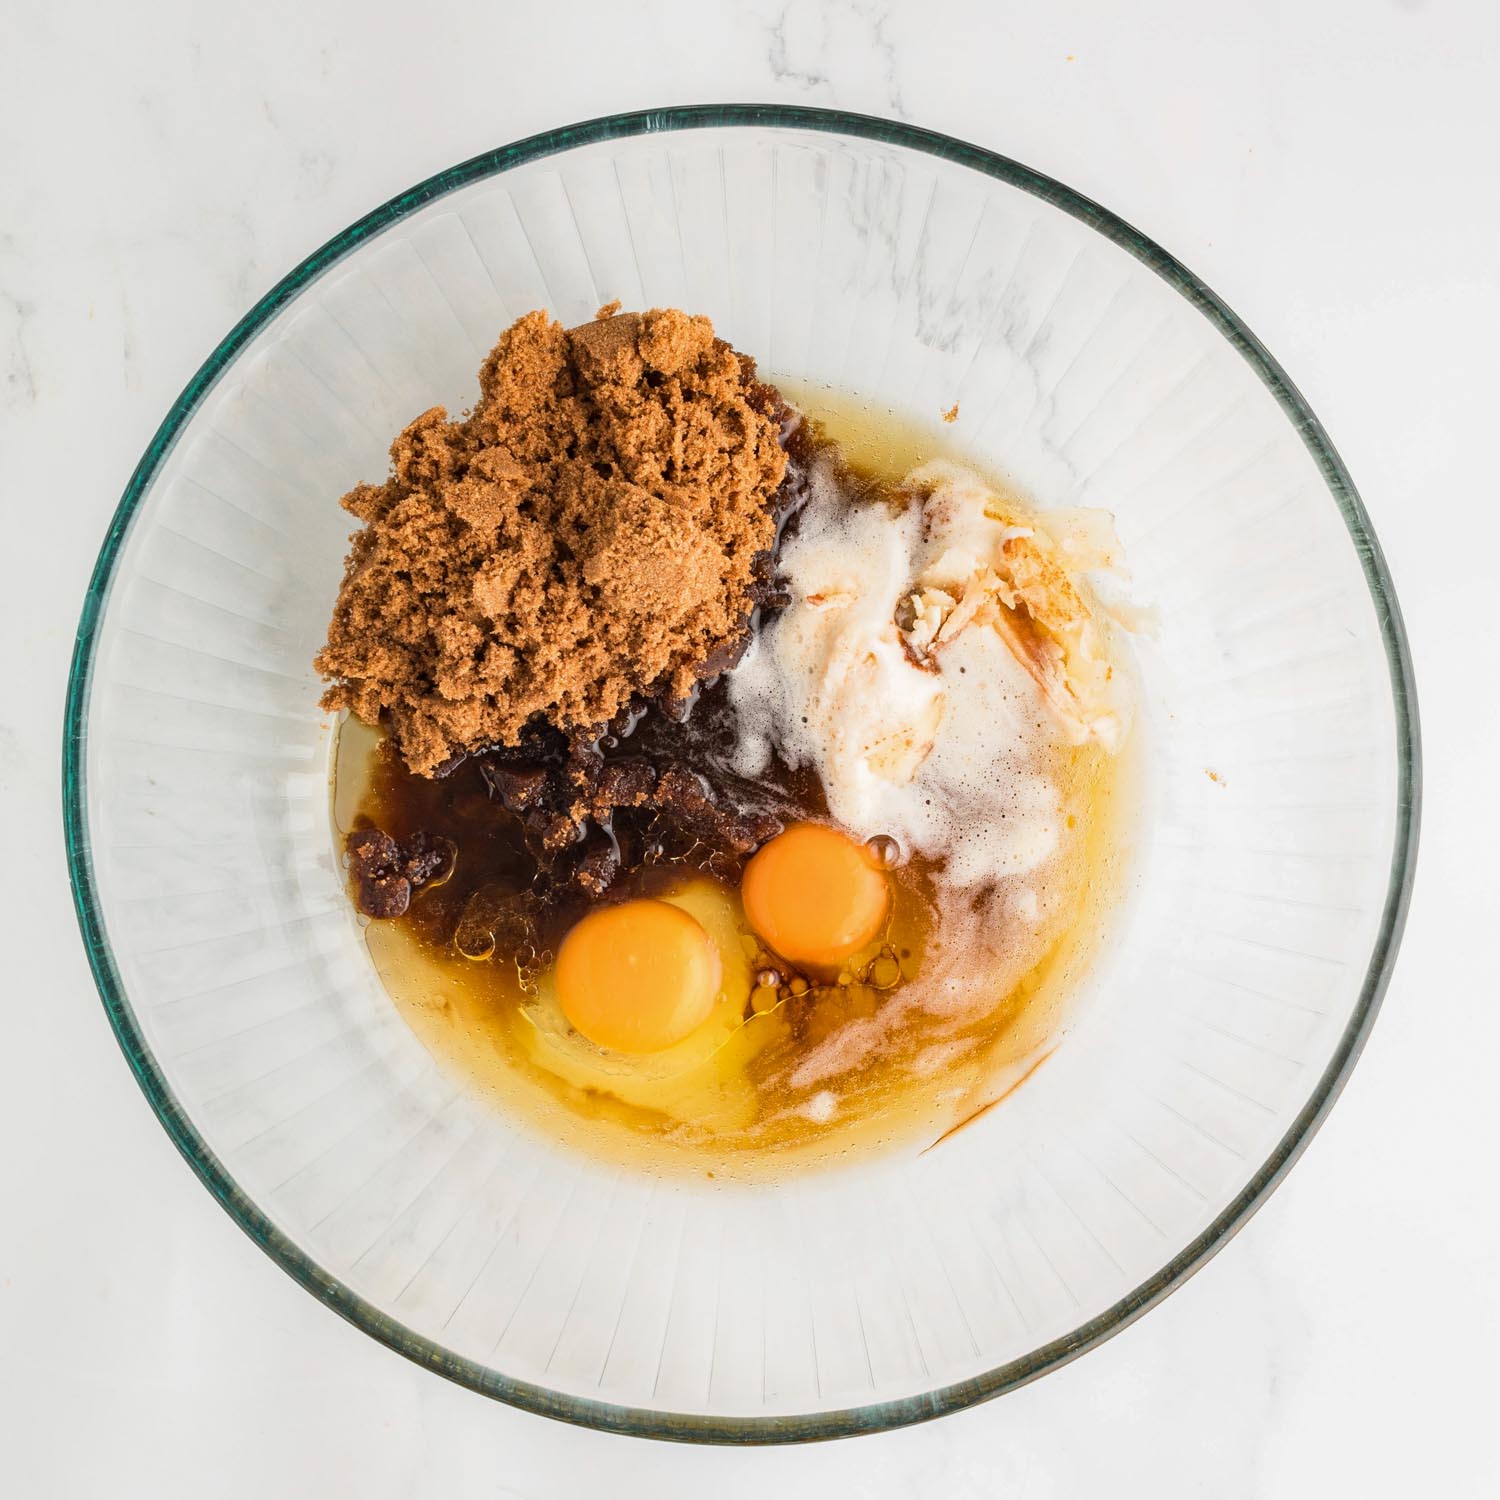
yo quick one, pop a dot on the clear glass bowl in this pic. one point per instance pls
(1270, 883)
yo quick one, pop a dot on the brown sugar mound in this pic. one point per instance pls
(594, 531)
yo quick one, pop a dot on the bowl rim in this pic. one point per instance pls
(876, 1416)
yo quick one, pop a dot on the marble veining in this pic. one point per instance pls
(807, 34)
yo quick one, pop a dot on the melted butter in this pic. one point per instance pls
(874, 440)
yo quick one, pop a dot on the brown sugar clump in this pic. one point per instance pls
(596, 530)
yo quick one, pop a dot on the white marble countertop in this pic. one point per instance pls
(1329, 168)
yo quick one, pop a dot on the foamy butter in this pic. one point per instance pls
(948, 753)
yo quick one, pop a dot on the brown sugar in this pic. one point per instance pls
(595, 531)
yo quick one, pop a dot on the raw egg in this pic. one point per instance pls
(637, 977)
(815, 895)
(700, 1080)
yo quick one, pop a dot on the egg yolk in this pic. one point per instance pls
(814, 895)
(637, 977)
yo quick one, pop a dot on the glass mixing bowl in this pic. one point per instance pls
(1270, 880)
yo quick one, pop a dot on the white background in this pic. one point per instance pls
(1329, 168)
